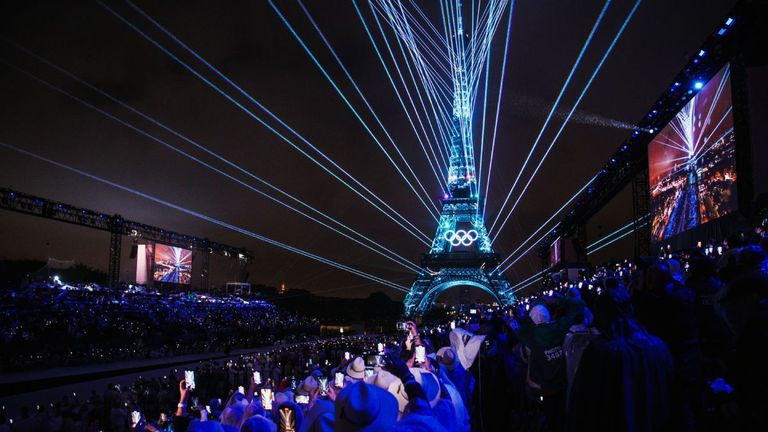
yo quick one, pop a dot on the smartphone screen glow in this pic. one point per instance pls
(266, 399)
(421, 354)
(189, 377)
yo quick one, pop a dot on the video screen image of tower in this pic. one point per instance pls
(692, 162)
(173, 265)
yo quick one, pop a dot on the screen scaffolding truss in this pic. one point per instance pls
(117, 227)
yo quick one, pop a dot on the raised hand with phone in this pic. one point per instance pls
(184, 392)
(397, 367)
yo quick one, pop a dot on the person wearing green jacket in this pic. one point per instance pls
(543, 337)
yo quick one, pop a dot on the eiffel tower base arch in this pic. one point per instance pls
(428, 287)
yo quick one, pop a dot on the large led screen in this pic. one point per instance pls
(173, 264)
(692, 162)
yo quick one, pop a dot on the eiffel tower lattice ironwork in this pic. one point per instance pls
(461, 253)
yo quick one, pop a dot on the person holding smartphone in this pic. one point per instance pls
(419, 414)
(181, 420)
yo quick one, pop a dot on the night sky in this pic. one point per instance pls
(248, 43)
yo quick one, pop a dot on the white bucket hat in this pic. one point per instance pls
(466, 345)
(356, 369)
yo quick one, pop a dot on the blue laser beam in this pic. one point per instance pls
(570, 113)
(432, 91)
(391, 213)
(554, 214)
(360, 93)
(360, 118)
(525, 252)
(441, 182)
(536, 277)
(425, 79)
(407, 264)
(156, 122)
(209, 219)
(551, 112)
(498, 104)
(482, 123)
(537, 280)
(608, 236)
(590, 252)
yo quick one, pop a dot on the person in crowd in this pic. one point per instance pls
(686, 361)
(716, 338)
(544, 337)
(745, 308)
(576, 341)
(355, 371)
(625, 377)
(667, 308)
(453, 371)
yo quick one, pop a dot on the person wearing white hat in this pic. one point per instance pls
(307, 386)
(418, 415)
(466, 346)
(355, 370)
(463, 350)
(458, 383)
(392, 384)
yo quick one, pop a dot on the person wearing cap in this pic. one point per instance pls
(258, 423)
(308, 386)
(232, 417)
(319, 417)
(387, 381)
(449, 413)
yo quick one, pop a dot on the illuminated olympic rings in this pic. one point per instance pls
(460, 237)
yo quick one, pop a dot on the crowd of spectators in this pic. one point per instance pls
(56, 324)
(659, 343)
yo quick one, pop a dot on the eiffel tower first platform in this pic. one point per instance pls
(461, 255)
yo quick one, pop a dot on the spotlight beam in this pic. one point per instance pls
(389, 213)
(529, 284)
(570, 113)
(211, 219)
(434, 211)
(383, 251)
(417, 40)
(525, 282)
(551, 113)
(482, 123)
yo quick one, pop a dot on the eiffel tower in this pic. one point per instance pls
(461, 252)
